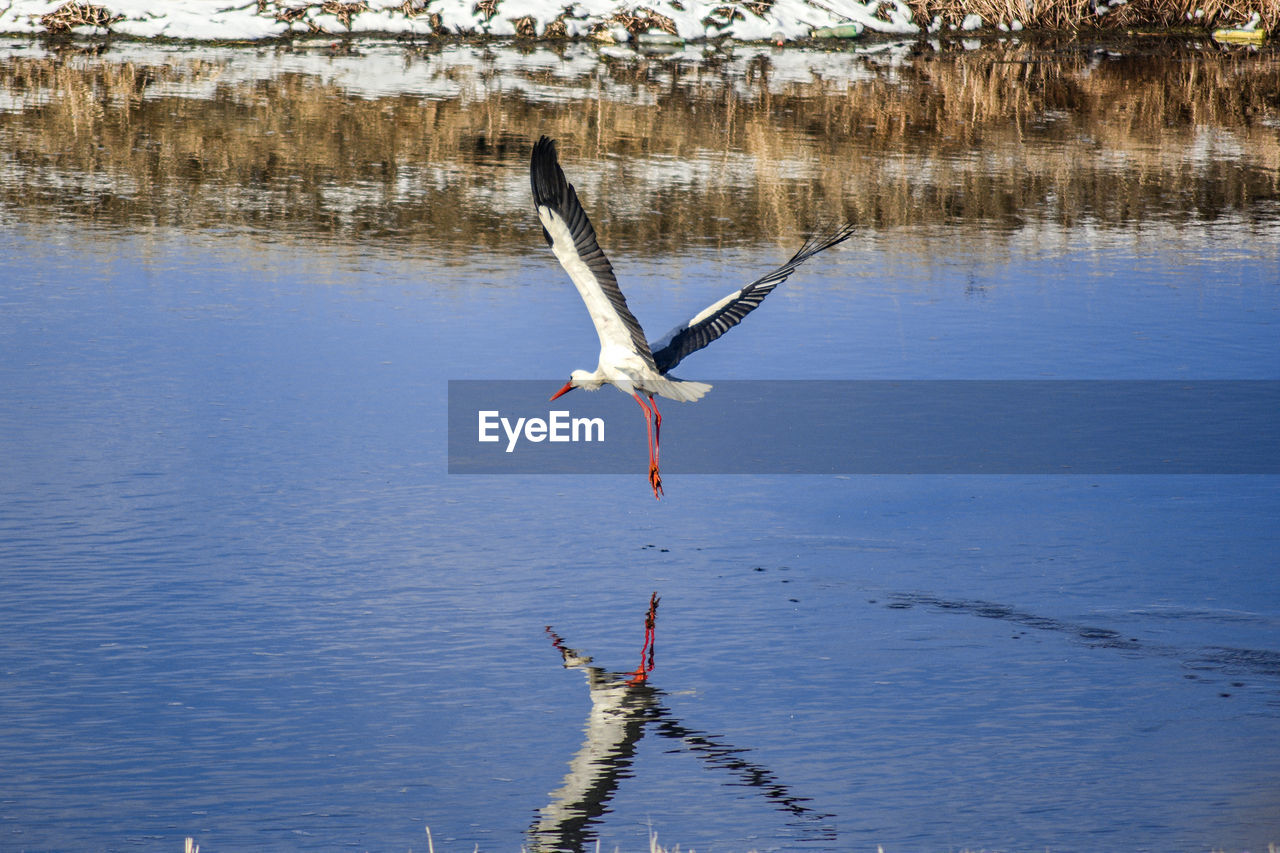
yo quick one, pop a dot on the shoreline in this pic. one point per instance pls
(658, 23)
(350, 42)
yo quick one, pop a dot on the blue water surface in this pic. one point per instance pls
(244, 601)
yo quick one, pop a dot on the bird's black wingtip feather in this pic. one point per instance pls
(821, 240)
(545, 176)
(545, 145)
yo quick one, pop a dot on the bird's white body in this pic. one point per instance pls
(629, 377)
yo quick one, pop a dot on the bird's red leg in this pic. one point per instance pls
(657, 429)
(647, 651)
(655, 480)
(648, 424)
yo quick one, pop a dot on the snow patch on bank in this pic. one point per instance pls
(606, 20)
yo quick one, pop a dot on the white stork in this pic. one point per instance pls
(627, 360)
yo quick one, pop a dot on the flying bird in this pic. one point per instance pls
(627, 360)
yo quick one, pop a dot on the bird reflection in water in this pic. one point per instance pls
(624, 706)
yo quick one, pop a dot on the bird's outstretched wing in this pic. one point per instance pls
(719, 318)
(571, 237)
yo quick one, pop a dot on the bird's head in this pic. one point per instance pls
(579, 379)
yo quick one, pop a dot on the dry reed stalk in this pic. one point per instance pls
(344, 12)
(76, 14)
(526, 26)
(641, 20)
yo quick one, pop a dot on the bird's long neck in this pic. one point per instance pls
(590, 381)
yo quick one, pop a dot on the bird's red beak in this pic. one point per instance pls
(568, 386)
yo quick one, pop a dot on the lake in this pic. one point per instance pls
(245, 601)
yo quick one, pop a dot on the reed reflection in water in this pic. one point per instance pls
(402, 146)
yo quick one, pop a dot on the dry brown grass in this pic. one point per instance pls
(76, 14)
(1078, 15)
(1057, 15)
